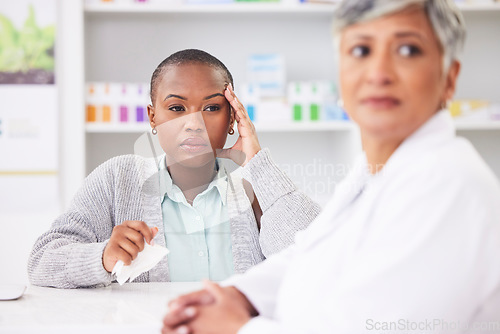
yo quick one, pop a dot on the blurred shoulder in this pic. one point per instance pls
(452, 164)
(458, 161)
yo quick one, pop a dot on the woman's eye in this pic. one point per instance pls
(211, 108)
(360, 51)
(176, 108)
(409, 50)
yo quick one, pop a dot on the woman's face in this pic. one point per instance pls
(391, 74)
(191, 114)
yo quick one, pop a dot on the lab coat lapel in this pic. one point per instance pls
(436, 130)
(346, 193)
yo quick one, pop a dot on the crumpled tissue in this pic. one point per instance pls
(144, 261)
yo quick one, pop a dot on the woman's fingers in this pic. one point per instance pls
(177, 317)
(214, 289)
(118, 253)
(240, 113)
(114, 253)
(237, 117)
(154, 230)
(200, 297)
(183, 309)
(247, 141)
(183, 329)
(239, 109)
(129, 247)
(135, 237)
(125, 243)
(141, 227)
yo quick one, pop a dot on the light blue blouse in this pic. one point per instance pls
(198, 236)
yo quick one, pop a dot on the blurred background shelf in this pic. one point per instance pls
(243, 8)
(116, 128)
(260, 127)
(477, 125)
(283, 127)
(478, 7)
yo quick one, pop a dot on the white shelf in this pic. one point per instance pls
(479, 7)
(117, 128)
(244, 8)
(477, 125)
(304, 126)
(283, 127)
(321, 9)
(260, 127)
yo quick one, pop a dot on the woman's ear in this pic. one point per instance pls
(151, 115)
(451, 80)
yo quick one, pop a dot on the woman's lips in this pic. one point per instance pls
(194, 145)
(381, 102)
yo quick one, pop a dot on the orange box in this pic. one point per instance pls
(91, 113)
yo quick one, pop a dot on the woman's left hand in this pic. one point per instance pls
(247, 145)
(226, 312)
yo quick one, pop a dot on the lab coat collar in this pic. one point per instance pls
(435, 131)
(438, 129)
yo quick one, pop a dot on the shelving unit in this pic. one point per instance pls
(124, 43)
(478, 7)
(260, 127)
(244, 8)
(283, 127)
(481, 125)
(279, 8)
(116, 128)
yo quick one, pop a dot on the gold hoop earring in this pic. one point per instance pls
(154, 131)
(444, 105)
(231, 131)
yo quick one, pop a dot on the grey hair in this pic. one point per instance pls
(445, 17)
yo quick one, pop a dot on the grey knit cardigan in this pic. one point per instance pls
(69, 255)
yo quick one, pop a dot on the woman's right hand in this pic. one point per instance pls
(126, 241)
(247, 145)
(185, 309)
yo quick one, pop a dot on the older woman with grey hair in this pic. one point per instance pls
(411, 238)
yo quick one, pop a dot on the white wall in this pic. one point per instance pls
(20, 230)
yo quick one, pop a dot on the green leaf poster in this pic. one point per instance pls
(29, 110)
(27, 41)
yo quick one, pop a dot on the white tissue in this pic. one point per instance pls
(144, 261)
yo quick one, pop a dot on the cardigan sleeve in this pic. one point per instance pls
(69, 255)
(285, 209)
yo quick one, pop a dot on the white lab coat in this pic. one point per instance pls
(413, 249)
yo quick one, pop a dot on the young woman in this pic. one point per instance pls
(214, 223)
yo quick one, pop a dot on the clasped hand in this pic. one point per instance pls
(213, 310)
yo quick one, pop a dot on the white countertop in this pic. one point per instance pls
(130, 308)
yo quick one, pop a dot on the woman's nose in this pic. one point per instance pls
(194, 122)
(381, 69)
